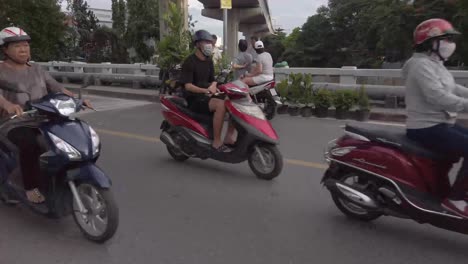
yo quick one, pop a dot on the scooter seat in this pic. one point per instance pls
(392, 136)
(181, 104)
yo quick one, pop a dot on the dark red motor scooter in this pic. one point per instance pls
(376, 170)
(189, 134)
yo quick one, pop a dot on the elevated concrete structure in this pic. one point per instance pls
(252, 17)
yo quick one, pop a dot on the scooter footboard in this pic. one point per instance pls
(91, 173)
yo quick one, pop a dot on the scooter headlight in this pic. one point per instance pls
(95, 140)
(250, 109)
(65, 107)
(68, 149)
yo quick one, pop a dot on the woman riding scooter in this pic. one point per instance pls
(433, 99)
(30, 78)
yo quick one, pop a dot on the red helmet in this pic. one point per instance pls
(432, 28)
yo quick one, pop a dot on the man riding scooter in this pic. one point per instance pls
(433, 99)
(31, 79)
(200, 85)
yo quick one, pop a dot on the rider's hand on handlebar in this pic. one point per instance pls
(87, 103)
(213, 89)
(13, 109)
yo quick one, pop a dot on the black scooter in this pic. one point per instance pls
(71, 182)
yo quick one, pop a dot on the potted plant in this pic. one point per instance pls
(295, 94)
(307, 97)
(322, 102)
(363, 112)
(343, 100)
(283, 93)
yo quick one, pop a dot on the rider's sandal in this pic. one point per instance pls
(222, 148)
(35, 197)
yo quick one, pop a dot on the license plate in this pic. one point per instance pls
(273, 92)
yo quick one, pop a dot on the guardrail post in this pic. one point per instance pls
(348, 77)
(139, 72)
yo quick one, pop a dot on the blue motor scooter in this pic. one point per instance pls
(71, 181)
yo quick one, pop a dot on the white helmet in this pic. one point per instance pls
(13, 34)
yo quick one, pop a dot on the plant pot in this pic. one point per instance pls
(341, 113)
(293, 111)
(362, 115)
(307, 111)
(282, 110)
(321, 112)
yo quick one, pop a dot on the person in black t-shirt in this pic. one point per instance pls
(200, 85)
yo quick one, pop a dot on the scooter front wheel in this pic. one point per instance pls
(266, 161)
(101, 220)
(351, 209)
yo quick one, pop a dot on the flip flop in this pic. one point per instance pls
(222, 148)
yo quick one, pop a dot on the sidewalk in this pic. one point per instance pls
(377, 113)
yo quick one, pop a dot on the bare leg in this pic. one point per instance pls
(249, 81)
(229, 134)
(217, 106)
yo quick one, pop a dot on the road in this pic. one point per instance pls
(206, 212)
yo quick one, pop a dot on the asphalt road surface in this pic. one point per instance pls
(206, 212)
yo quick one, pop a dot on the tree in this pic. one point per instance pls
(85, 23)
(46, 31)
(274, 44)
(119, 10)
(142, 28)
(174, 47)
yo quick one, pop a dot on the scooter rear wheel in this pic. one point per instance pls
(176, 154)
(272, 158)
(349, 208)
(100, 223)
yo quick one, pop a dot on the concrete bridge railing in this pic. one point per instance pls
(135, 75)
(381, 84)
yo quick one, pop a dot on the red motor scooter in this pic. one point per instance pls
(376, 170)
(189, 134)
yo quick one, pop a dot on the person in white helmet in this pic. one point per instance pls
(30, 78)
(263, 71)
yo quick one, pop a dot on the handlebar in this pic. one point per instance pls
(30, 112)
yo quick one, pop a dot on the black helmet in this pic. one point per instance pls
(202, 35)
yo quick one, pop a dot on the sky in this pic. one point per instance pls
(286, 14)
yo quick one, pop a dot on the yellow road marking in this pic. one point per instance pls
(301, 163)
(128, 135)
(304, 163)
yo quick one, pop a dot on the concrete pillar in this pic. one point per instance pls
(163, 9)
(233, 29)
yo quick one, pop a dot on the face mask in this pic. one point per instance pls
(446, 49)
(207, 50)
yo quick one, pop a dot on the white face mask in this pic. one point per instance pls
(207, 50)
(446, 48)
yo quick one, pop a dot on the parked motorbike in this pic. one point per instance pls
(376, 170)
(70, 180)
(189, 134)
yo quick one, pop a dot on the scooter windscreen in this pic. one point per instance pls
(59, 103)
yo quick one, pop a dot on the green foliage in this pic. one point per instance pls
(274, 44)
(119, 9)
(283, 90)
(143, 28)
(42, 20)
(365, 33)
(323, 98)
(344, 99)
(363, 99)
(174, 47)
